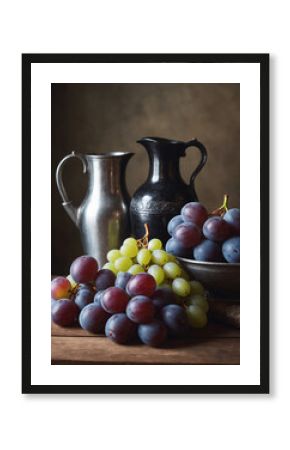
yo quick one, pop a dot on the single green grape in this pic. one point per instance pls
(136, 268)
(112, 255)
(196, 288)
(144, 257)
(181, 287)
(159, 257)
(110, 266)
(129, 250)
(123, 264)
(154, 244)
(130, 241)
(172, 270)
(184, 275)
(157, 272)
(198, 300)
(197, 317)
(171, 258)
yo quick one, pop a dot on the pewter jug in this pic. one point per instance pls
(103, 216)
(164, 192)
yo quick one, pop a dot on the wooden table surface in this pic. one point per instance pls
(215, 344)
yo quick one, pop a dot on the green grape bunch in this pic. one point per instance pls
(137, 256)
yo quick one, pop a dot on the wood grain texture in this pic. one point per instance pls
(85, 350)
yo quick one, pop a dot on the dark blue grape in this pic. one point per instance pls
(98, 296)
(175, 248)
(84, 296)
(105, 278)
(172, 224)
(93, 318)
(175, 318)
(208, 251)
(163, 296)
(122, 280)
(140, 309)
(231, 250)
(120, 329)
(232, 216)
(153, 334)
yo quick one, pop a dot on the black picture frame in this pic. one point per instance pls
(263, 61)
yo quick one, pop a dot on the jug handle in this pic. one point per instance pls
(71, 210)
(203, 160)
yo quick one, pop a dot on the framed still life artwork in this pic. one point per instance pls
(135, 170)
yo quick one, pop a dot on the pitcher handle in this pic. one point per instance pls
(203, 159)
(66, 203)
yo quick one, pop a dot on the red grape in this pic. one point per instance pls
(187, 234)
(194, 212)
(64, 312)
(84, 269)
(140, 309)
(216, 229)
(60, 288)
(141, 284)
(114, 300)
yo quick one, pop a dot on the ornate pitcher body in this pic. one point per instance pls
(164, 193)
(103, 216)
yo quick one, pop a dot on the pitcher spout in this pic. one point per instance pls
(159, 140)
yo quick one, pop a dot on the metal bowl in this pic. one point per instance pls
(221, 279)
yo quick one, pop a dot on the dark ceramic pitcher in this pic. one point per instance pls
(164, 193)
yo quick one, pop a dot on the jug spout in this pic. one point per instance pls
(151, 141)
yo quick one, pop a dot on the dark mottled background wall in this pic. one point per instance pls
(105, 117)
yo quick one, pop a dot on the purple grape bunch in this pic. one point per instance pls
(198, 235)
(125, 307)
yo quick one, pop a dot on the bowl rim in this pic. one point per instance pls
(208, 263)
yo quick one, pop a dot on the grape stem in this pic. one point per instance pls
(143, 242)
(222, 209)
